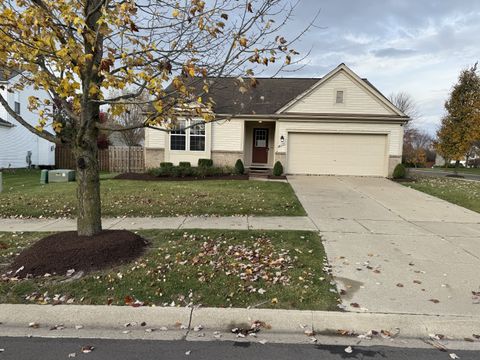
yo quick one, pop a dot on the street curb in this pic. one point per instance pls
(281, 322)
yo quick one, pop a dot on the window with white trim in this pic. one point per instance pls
(190, 139)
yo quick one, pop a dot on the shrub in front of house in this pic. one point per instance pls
(205, 163)
(166, 165)
(239, 168)
(184, 164)
(399, 172)
(278, 169)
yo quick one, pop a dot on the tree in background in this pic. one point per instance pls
(81, 51)
(416, 142)
(460, 127)
(129, 122)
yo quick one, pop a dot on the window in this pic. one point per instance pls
(17, 107)
(191, 139)
(339, 99)
(178, 137)
(197, 136)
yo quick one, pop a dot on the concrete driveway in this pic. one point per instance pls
(394, 249)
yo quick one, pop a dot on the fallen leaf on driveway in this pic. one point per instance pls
(417, 282)
(188, 352)
(355, 305)
(348, 350)
(476, 336)
(34, 325)
(72, 355)
(435, 301)
(399, 285)
(454, 356)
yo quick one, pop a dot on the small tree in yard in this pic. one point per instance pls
(416, 142)
(460, 127)
(81, 51)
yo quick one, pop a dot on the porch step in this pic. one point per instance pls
(259, 172)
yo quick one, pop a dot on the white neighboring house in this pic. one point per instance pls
(16, 142)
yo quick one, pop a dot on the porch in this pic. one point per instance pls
(259, 145)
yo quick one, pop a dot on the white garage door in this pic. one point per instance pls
(337, 154)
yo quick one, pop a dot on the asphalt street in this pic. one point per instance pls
(57, 348)
(443, 173)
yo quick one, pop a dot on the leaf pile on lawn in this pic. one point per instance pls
(273, 269)
(248, 262)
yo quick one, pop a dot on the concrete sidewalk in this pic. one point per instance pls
(287, 326)
(181, 222)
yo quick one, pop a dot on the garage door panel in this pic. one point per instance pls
(337, 154)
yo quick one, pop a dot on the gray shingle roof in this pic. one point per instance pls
(7, 74)
(267, 97)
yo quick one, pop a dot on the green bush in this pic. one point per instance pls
(399, 172)
(278, 169)
(205, 163)
(164, 165)
(184, 164)
(239, 168)
(154, 171)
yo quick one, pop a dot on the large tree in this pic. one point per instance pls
(460, 127)
(80, 51)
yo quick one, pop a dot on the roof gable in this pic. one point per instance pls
(361, 97)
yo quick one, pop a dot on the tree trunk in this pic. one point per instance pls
(457, 163)
(89, 220)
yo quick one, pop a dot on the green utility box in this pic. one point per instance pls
(61, 176)
(44, 177)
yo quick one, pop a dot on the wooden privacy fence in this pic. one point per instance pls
(114, 159)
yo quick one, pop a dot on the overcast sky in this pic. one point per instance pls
(415, 46)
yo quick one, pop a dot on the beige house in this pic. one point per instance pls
(337, 125)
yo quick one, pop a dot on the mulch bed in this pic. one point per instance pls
(61, 252)
(281, 177)
(148, 177)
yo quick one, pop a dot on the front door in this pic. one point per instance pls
(260, 146)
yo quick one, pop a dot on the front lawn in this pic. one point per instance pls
(24, 196)
(475, 171)
(460, 192)
(273, 269)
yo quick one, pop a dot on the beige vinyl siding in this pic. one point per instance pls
(357, 100)
(155, 139)
(228, 135)
(394, 132)
(337, 154)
